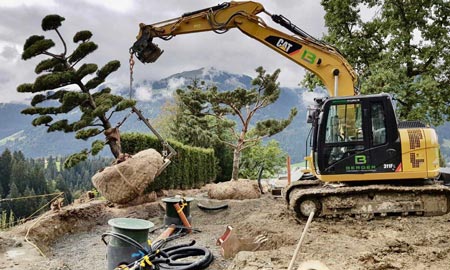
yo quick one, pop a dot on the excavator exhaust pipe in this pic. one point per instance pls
(144, 48)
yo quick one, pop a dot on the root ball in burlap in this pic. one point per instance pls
(237, 190)
(125, 181)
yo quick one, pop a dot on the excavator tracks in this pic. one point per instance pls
(367, 201)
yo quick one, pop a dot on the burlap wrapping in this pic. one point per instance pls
(125, 181)
(236, 190)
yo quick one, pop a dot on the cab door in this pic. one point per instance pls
(358, 135)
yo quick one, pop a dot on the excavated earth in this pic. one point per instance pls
(71, 237)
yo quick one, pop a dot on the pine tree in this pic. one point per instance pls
(242, 104)
(5, 172)
(14, 193)
(61, 70)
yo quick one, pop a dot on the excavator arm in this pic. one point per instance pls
(316, 56)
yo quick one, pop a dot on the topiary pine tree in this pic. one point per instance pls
(59, 71)
(242, 104)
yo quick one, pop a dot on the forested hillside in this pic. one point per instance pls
(25, 183)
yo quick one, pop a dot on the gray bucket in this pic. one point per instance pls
(120, 252)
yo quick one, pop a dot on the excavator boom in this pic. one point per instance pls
(314, 55)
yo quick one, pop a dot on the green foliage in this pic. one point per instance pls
(38, 99)
(76, 158)
(25, 88)
(42, 120)
(53, 80)
(192, 167)
(270, 156)
(52, 22)
(125, 104)
(38, 47)
(271, 127)
(31, 41)
(49, 65)
(107, 69)
(82, 36)
(61, 125)
(97, 146)
(86, 69)
(60, 70)
(87, 133)
(82, 51)
(402, 50)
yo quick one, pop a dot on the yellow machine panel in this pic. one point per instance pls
(420, 151)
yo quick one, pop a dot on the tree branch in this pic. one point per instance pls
(63, 42)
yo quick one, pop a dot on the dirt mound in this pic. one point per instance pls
(123, 182)
(70, 219)
(235, 190)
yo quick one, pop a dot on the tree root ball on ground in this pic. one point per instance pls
(123, 182)
(236, 190)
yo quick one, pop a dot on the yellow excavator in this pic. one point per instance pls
(363, 161)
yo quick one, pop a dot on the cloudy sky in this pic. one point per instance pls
(114, 24)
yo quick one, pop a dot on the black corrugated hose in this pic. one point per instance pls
(165, 258)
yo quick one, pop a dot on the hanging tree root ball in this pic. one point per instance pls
(123, 182)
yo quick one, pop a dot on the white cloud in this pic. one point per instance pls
(175, 83)
(114, 25)
(144, 93)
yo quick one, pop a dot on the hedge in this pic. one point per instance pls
(192, 167)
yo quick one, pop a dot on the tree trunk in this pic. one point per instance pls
(115, 148)
(236, 160)
(113, 138)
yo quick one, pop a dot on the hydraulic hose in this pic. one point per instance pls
(166, 258)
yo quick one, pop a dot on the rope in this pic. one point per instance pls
(29, 197)
(36, 222)
(127, 181)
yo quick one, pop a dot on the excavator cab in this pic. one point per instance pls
(356, 135)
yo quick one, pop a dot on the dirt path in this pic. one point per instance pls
(412, 243)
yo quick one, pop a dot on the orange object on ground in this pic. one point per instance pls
(166, 233)
(182, 217)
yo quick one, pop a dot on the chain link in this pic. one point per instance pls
(131, 74)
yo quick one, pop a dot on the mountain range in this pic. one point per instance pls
(17, 133)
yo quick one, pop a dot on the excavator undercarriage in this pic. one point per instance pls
(429, 198)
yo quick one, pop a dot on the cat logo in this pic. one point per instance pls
(284, 45)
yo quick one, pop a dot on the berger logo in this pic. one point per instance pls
(360, 160)
(286, 46)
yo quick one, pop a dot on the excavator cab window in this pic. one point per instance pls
(378, 124)
(344, 132)
(344, 123)
(357, 135)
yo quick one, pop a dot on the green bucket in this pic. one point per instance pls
(121, 252)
